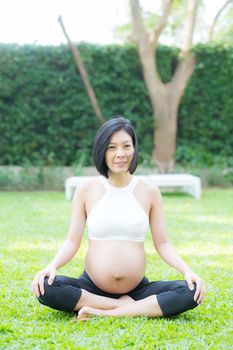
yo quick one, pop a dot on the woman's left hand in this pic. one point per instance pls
(191, 278)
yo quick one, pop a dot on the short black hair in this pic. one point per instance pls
(102, 140)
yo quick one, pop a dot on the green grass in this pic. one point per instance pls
(33, 225)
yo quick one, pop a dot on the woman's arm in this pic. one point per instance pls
(166, 250)
(76, 228)
(69, 247)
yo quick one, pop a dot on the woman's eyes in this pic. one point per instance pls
(113, 147)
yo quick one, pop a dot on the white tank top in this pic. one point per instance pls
(118, 215)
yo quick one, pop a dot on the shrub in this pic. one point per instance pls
(46, 118)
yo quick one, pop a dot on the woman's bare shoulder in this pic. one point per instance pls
(148, 185)
(150, 189)
(87, 185)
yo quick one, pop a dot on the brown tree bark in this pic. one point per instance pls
(165, 98)
(83, 73)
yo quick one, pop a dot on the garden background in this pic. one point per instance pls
(47, 120)
(47, 128)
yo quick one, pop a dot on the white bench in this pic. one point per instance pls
(187, 183)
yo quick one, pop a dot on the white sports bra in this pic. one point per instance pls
(118, 215)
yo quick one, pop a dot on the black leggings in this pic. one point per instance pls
(174, 297)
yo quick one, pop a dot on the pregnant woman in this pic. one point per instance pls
(118, 209)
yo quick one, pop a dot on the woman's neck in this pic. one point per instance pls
(119, 180)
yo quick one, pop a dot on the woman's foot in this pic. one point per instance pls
(126, 299)
(86, 312)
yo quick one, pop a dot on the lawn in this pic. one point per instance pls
(33, 225)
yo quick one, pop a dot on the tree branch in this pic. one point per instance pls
(216, 17)
(154, 35)
(145, 49)
(181, 76)
(83, 73)
(189, 25)
(186, 65)
(139, 29)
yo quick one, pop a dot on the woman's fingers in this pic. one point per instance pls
(190, 283)
(199, 295)
(38, 282)
(36, 285)
(201, 298)
(35, 288)
(200, 291)
(41, 283)
(51, 277)
(202, 294)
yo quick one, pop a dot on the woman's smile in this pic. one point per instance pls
(120, 151)
(121, 163)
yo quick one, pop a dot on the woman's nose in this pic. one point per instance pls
(120, 152)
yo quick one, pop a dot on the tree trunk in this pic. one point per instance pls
(164, 113)
(165, 99)
(165, 134)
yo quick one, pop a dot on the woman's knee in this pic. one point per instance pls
(50, 291)
(60, 295)
(185, 297)
(188, 295)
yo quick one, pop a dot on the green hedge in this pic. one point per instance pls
(205, 126)
(46, 118)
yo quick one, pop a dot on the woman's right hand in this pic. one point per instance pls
(38, 282)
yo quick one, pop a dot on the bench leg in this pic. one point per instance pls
(194, 190)
(68, 191)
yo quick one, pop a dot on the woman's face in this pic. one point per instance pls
(119, 153)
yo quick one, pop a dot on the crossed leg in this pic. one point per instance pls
(101, 302)
(70, 294)
(152, 299)
(144, 307)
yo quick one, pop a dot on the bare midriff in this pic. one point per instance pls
(115, 266)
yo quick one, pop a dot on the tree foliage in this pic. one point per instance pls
(46, 118)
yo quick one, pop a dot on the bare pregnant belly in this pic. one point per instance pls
(115, 266)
